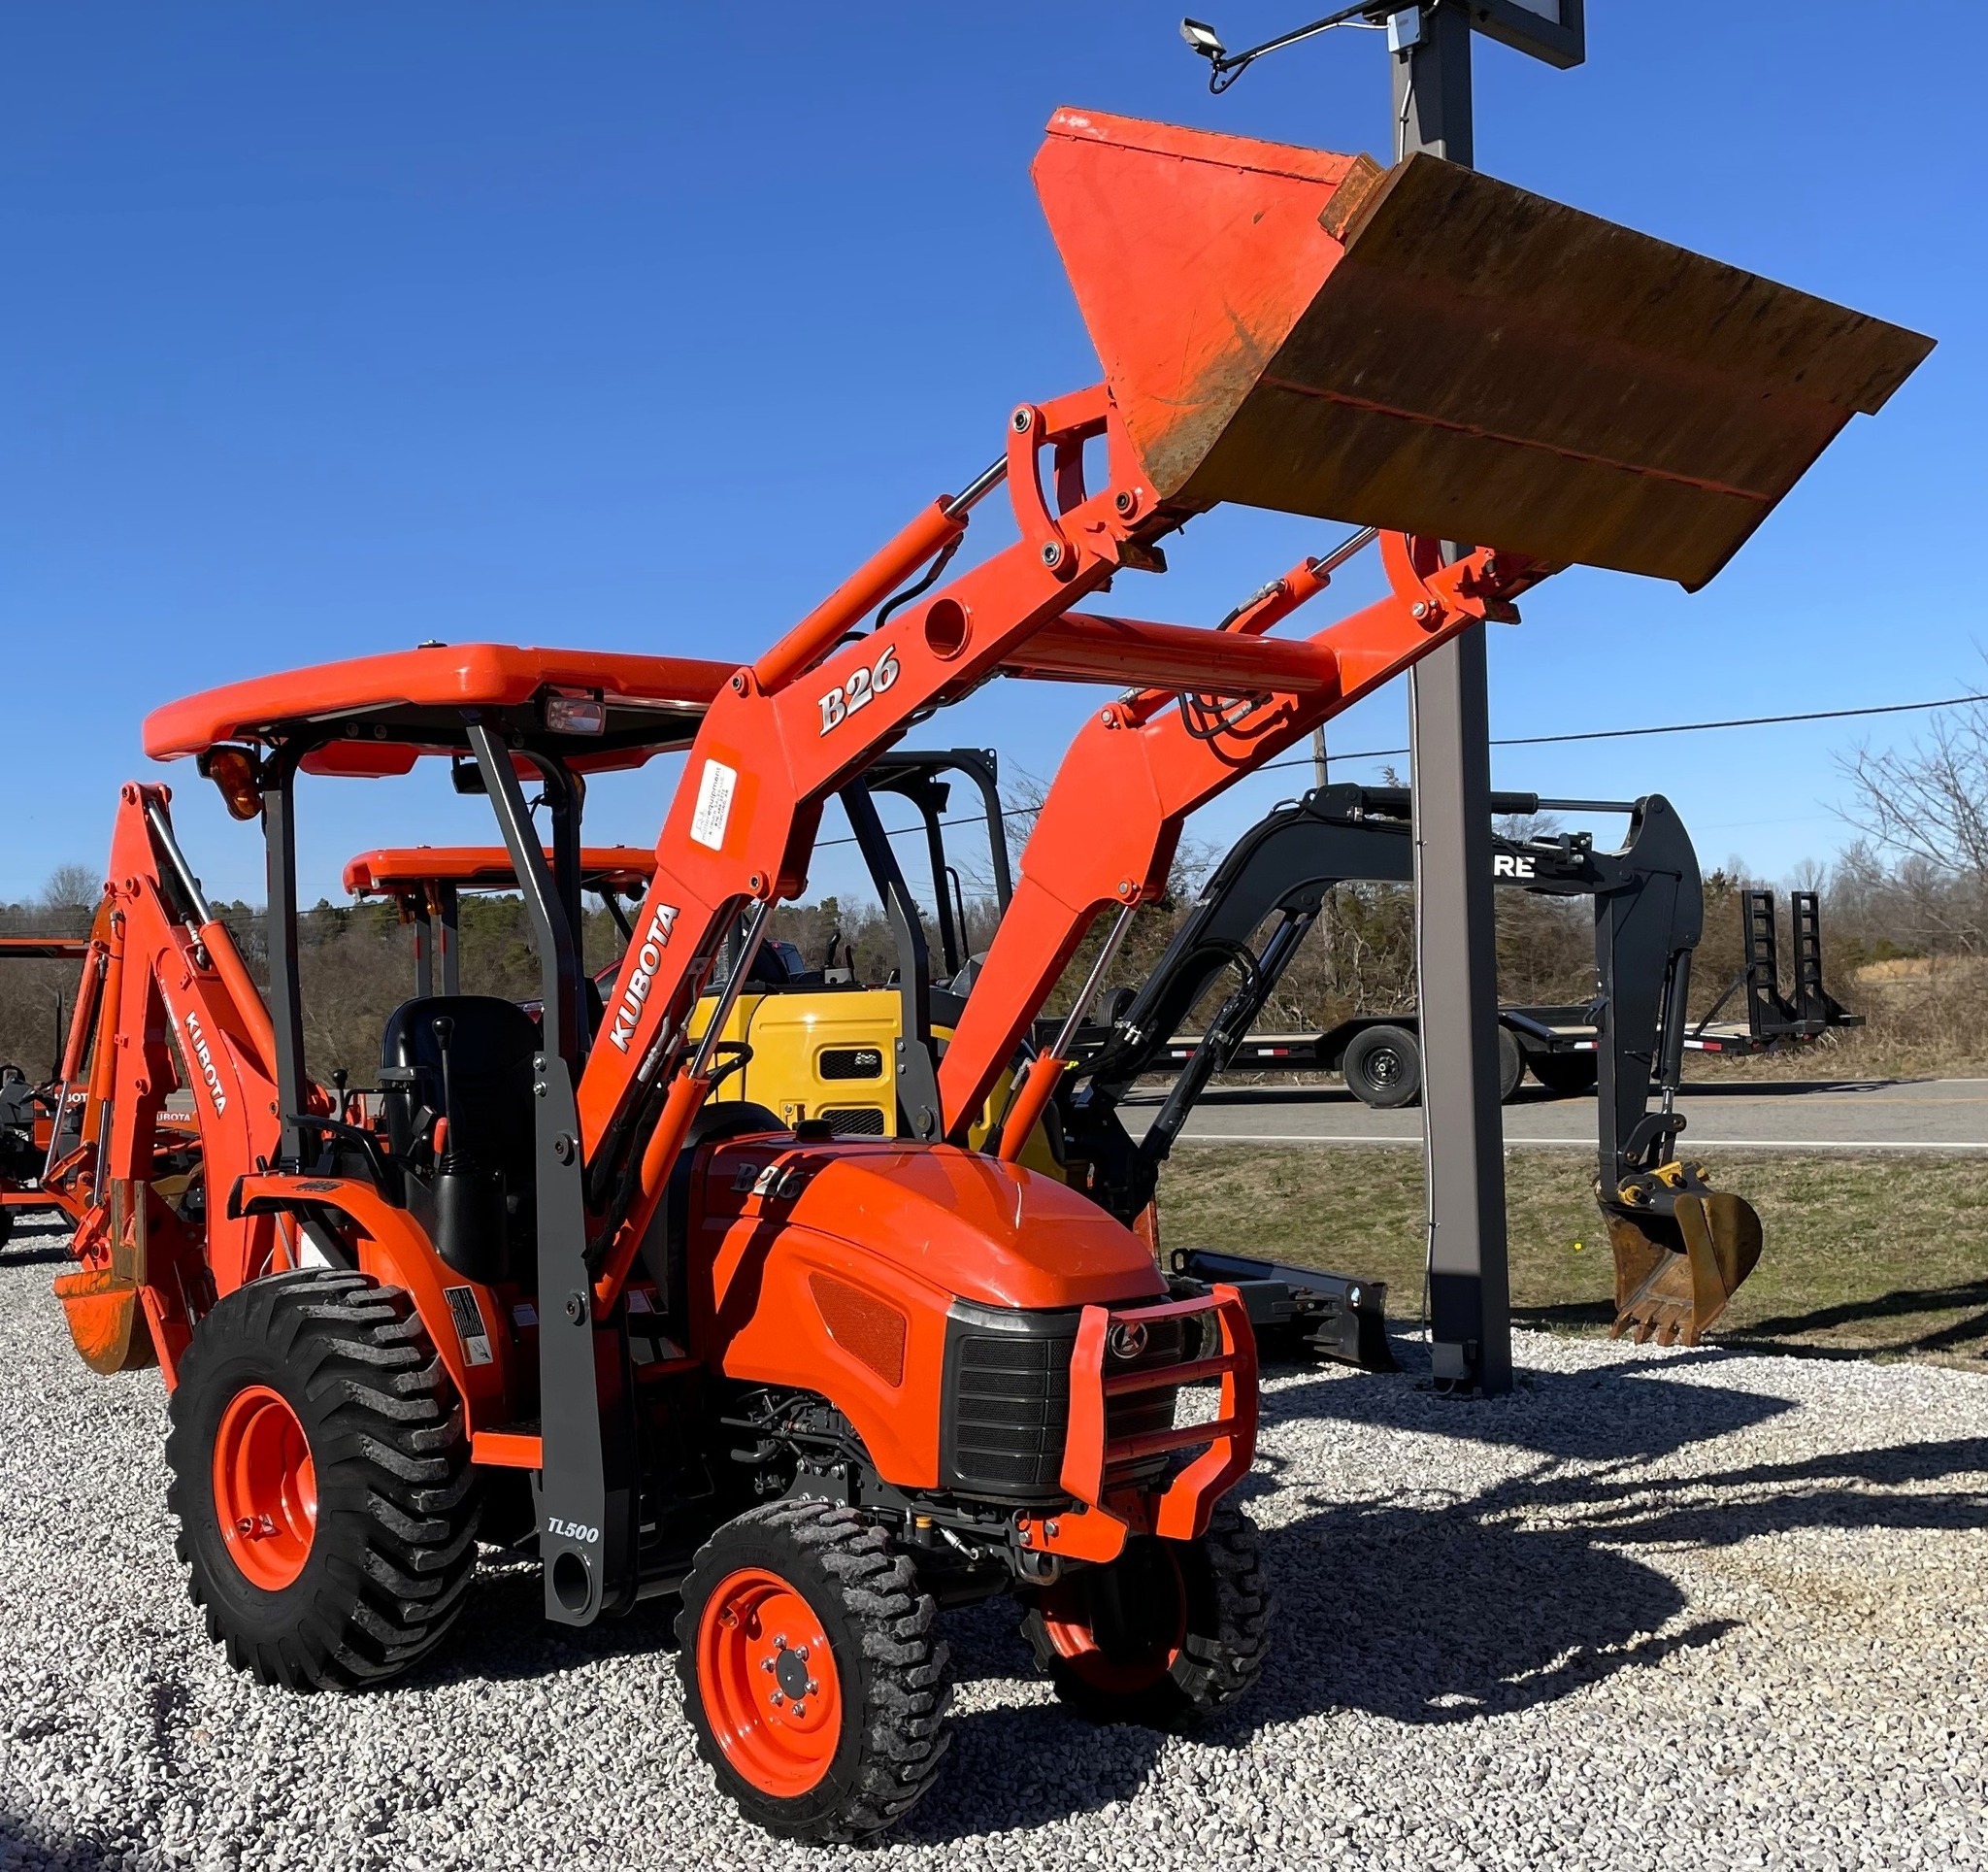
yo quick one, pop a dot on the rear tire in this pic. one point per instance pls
(1382, 1067)
(836, 1732)
(1566, 1075)
(1168, 1634)
(322, 1479)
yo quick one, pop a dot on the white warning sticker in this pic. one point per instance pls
(713, 804)
(469, 1325)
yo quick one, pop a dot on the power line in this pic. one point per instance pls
(1670, 727)
(1545, 741)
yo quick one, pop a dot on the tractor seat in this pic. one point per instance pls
(484, 1178)
(490, 1048)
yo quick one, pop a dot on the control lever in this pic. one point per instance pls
(443, 1029)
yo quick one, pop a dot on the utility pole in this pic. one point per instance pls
(1450, 777)
(1450, 733)
(1318, 756)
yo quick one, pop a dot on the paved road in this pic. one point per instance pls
(1945, 1115)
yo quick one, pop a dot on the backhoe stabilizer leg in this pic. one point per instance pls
(1331, 1316)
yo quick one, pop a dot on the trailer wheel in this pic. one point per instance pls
(810, 1672)
(1382, 1067)
(321, 1480)
(1169, 1632)
(1512, 1065)
(1566, 1073)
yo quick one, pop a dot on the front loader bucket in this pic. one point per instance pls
(1430, 349)
(1674, 1276)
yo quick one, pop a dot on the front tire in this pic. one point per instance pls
(1167, 1634)
(321, 1480)
(810, 1672)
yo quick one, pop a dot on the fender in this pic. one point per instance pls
(390, 1246)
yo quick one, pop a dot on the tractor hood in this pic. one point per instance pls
(990, 1232)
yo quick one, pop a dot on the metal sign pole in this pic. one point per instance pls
(1455, 928)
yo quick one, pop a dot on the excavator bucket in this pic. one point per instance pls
(1674, 1276)
(1428, 349)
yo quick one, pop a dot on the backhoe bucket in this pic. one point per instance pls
(106, 1318)
(1430, 349)
(1674, 1276)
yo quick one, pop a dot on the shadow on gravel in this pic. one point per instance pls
(503, 1635)
(1608, 1414)
(1030, 1766)
(1902, 1303)
(1431, 1614)
(38, 1256)
(26, 1848)
(1832, 1491)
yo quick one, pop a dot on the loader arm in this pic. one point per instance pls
(1155, 767)
(808, 717)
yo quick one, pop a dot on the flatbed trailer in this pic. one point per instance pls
(1557, 1044)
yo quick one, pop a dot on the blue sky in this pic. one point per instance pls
(332, 329)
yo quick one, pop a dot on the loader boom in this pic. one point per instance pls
(1156, 766)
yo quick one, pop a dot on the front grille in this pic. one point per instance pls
(855, 1120)
(1008, 1400)
(1139, 1412)
(1011, 1409)
(850, 1062)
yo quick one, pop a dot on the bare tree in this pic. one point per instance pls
(71, 887)
(1929, 800)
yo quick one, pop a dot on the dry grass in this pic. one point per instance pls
(1871, 1257)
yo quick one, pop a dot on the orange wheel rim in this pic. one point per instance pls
(1068, 1620)
(769, 1682)
(265, 1487)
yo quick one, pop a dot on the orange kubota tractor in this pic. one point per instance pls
(817, 1385)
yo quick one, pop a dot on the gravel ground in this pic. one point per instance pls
(1656, 1609)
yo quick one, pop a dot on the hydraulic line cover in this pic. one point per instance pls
(1429, 349)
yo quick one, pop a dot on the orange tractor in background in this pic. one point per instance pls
(33, 1133)
(540, 1289)
(426, 884)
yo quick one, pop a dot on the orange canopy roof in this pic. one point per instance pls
(387, 710)
(484, 867)
(44, 948)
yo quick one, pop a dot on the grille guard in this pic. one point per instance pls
(1091, 1456)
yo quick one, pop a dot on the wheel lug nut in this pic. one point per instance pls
(780, 1640)
(777, 1699)
(766, 1663)
(800, 1709)
(813, 1689)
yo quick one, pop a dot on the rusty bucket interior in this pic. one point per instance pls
(1675, 1275)
(1428, 349)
